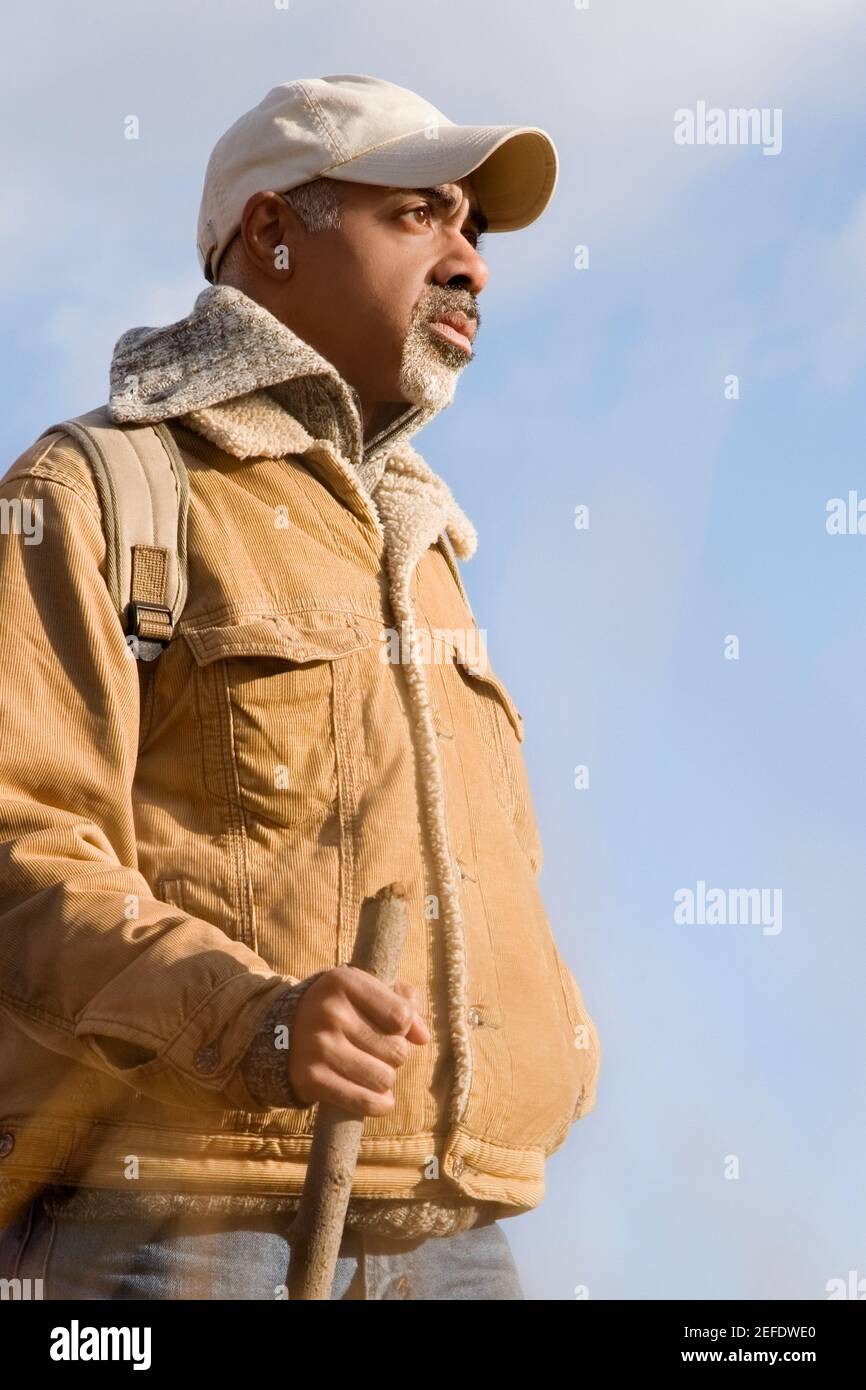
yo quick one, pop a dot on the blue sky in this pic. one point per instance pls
(603, 387)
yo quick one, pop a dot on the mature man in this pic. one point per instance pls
(186, 841)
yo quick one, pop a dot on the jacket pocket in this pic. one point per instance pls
(501, 727)
(273, 700)
(482, 673)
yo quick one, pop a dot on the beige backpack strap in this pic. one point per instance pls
(144, 493)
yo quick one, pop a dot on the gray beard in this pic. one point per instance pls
(429, 369)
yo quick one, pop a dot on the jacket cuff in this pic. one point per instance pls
(262, 1074)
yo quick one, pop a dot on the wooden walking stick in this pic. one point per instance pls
(317, 1230)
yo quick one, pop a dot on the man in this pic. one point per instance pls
(186, 842)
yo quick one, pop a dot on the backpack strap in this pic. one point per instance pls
(144, 494)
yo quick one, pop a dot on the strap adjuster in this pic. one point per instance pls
(134, 614)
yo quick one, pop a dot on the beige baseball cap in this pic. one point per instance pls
(365, 130)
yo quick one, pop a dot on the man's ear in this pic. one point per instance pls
(270, 229)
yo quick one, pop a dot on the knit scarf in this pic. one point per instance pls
(234, 373)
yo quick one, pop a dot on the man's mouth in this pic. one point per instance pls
(455, 328)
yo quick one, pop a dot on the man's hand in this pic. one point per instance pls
(350, 1034)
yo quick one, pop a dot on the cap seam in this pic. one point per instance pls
(370, 148)
(324, 125)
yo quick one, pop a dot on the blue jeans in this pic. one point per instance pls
(240, 1258)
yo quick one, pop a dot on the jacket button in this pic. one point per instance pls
(474, 1018)
(7, 1144)
(206, 1060)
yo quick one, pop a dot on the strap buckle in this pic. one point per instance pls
(134, 614)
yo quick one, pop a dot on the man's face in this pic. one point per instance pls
(368, 296)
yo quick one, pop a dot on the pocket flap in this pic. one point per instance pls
(298, 638)
(479, 668)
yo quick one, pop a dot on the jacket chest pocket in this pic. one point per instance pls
(274, 706)
(500, 725)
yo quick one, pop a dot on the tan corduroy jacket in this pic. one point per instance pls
(180, 839)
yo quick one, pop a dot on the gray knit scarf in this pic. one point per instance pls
(234, 373)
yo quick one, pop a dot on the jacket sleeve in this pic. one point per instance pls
(93, 965)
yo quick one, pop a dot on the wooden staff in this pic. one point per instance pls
(317, 1231)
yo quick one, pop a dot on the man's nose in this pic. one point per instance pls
(462, 268)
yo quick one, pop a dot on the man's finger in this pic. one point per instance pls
(391, 1048)
(385, 1009)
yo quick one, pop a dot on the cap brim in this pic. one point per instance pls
(515, 167)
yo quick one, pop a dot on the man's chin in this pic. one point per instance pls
(430, 370)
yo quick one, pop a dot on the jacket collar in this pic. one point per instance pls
(234, 373)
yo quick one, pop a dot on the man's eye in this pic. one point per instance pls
(423, 207)
(474, 237)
